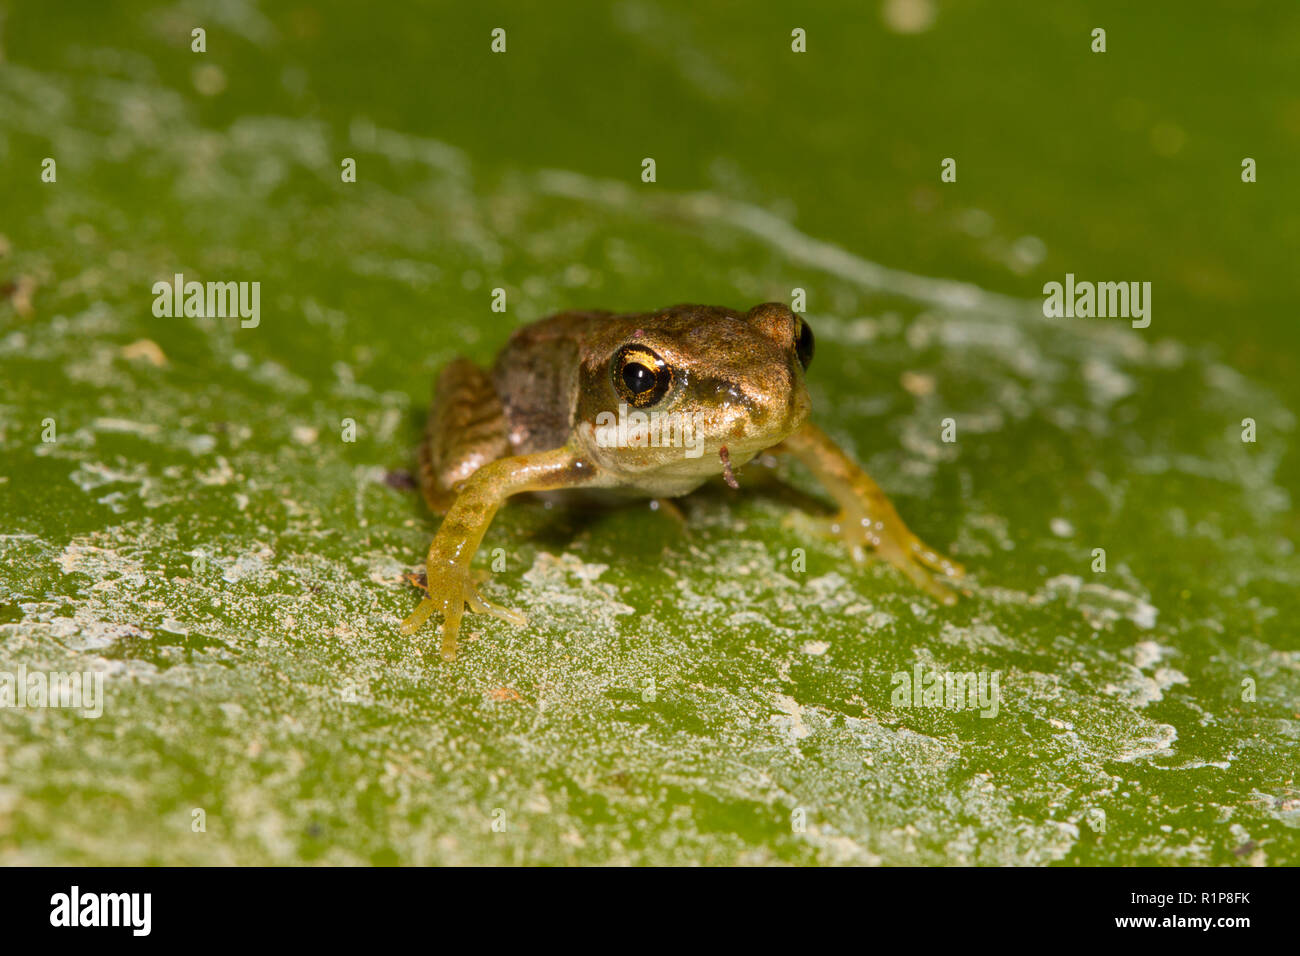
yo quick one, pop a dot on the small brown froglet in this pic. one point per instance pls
(648, 405)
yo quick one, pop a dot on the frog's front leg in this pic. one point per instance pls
(461, 531)
(866, 518)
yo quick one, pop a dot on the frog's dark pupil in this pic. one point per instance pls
(638, 378)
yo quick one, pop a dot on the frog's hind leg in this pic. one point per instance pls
(466, 430)
(867, 520)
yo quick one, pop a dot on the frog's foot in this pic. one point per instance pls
(891, 540)
(867, 520)
(449, 592)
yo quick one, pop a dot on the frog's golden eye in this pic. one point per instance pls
(803, 342)
(640, 376)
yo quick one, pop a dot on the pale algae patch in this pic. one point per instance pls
(201, 532)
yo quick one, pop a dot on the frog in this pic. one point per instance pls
(731, 386)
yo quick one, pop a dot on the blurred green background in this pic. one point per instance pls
(201, 533)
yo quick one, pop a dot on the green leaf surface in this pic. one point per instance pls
(201, 534)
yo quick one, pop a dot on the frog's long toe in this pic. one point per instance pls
(936, 587)
(932, 559)
(415, 620)
(892, 542)
(482, 605)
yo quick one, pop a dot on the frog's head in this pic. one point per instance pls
(680, 385)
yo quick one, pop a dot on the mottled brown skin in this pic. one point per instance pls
(530, 425)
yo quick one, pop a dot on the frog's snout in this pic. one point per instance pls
(775, 321)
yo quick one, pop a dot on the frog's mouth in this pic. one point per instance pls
(689, 446)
